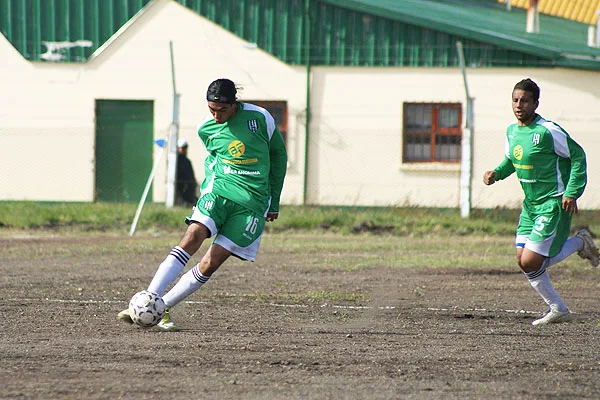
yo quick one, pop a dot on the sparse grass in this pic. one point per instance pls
(155, 218)
(324, 295)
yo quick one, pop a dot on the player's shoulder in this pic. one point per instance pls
(253, 108)
(205, 122)
(550, 126)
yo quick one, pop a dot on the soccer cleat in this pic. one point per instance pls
(554, 317)
(165, 323)
(589, 251)
(124, 316)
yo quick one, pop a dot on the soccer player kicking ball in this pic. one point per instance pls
(551, 168)
(244, 173)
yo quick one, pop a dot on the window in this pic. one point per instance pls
(432, 132)
(278, 110)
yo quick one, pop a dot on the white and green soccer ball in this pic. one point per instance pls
(146, 309)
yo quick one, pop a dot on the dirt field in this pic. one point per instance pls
(324, 324)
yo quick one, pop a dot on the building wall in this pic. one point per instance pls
(48, 126)
(354, 147)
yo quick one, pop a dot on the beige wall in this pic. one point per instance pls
(47, 120)
(355, 144)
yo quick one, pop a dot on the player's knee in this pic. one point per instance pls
(193, 238)
(199, 232)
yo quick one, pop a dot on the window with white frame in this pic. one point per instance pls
(432, 132)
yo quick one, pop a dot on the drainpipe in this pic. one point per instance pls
(533, 17)
(594, 32)
(307, 113)
(598, 28)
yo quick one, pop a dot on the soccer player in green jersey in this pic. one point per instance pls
(551, 168)
(244, 173)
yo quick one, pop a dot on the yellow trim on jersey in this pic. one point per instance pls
(519, 166)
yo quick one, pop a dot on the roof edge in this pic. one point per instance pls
(122, 30)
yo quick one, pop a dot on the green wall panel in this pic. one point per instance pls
(123, 154)
(29, 23)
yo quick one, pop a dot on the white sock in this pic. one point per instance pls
(188, 284)
(571, 246)
(540, 281)
(169, 270)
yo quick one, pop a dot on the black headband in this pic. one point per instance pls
(221, 91)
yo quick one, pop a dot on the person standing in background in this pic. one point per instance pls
(186, 179)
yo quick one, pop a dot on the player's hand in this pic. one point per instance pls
(570, 205)
(272, 216)
(489, 177)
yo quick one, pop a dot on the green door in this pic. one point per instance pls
(124, 134)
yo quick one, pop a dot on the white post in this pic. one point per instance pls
(466, 143)
(173, 137)
(592, 36)
(172, 154)
(533, 17)
(598, 28)
(466, 170)
(161, 144)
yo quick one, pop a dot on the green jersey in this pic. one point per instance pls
(246, 161)
(547, 161)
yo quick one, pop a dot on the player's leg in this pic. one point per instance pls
(197, 275)
(239, 235)
(201, 225)
(179, 256)
(582, 243)
(545, 239)
(572, 245)
(192, 281)
(173, 264)
(589, 250)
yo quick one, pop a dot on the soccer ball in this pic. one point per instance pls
(146, 308)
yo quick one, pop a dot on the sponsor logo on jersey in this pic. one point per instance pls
(236, 148)
(521, 166)
(518, 152)
(528, 180)
(241, 162)
(208, 205)
(253, 125)
(228, 170)
(535, 139)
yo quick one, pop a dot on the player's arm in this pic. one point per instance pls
(278, 156)
(578, 177)
(502, 171)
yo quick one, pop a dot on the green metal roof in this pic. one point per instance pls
(561, 40)
(415, 33)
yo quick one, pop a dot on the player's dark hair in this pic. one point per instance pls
(222, 91)
(529, 86)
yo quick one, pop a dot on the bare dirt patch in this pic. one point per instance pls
(289, 326)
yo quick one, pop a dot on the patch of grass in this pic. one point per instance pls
(81, 217)
(324, 295)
